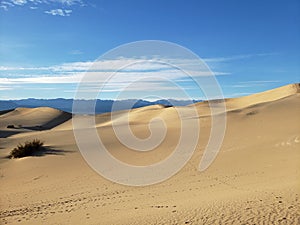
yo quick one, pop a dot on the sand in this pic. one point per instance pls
(255, 178)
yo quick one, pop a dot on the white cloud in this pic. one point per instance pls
(125, 66)
(141, 86)
(8, 68)
(19, 2)
(253, 83)
(63, 10)
(4, 88)
(236, 57)
(69, 2)
(259, 81)
(59, 12)
(112, 74)
(4, 5)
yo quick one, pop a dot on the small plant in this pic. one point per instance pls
(27, 149)
(10, 126)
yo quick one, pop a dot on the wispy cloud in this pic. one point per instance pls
(70, 2)
(5, 5)
(59, 12)
(259, 81)
(19, 2)
(113, 74)
(237, 57)
(56, 7)
(147, 74)
(122, 65)
(5, 88)
(253, 83)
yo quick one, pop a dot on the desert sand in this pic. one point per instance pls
(255, 178)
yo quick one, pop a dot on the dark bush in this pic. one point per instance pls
(27, 149)
(10, 126)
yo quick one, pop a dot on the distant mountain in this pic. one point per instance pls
(102, 106)
(5, 105)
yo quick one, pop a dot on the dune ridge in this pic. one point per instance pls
(262, 97)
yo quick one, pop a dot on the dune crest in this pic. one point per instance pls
(249, 100)
(263, 97)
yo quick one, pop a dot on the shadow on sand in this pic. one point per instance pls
(47, 150)
(52, 123)
(8, 133)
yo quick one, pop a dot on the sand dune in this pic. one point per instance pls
(26, 119)
(255, 179)
(246, 101)
(30, 117)
(263, 97)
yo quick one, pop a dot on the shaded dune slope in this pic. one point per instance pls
(41, 118)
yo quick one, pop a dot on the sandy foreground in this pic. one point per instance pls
(255, 178)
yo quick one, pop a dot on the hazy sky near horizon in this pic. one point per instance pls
(47, 45)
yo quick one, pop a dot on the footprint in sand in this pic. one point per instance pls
(289, 142)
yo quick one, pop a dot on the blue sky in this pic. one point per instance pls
(46, 45)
